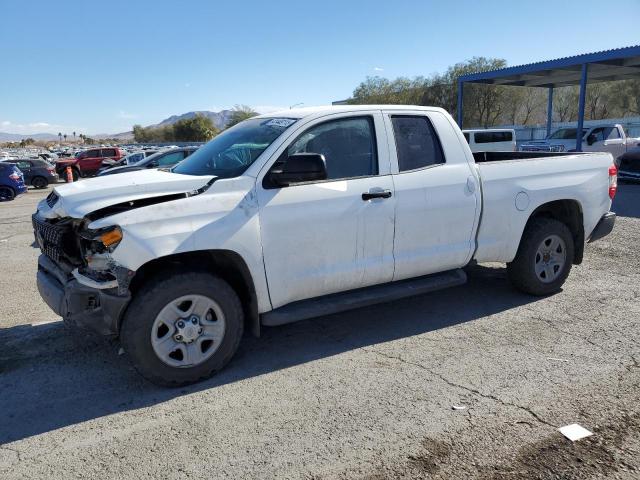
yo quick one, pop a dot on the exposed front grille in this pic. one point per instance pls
(49, 238)
(52, 198)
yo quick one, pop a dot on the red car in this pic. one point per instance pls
(87, 163)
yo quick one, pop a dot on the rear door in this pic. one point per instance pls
(437, 195)
(26, 167)
(325, 237)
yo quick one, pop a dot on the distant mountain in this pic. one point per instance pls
(219, 119)
(16, 137)
(124, 136)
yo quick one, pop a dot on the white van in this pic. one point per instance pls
(491, 140)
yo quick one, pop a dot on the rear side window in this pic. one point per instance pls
(108, 152)
(466, 136)
(417, 143)
(348, 146)
(492, 137)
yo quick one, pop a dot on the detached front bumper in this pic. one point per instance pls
(604, 227)
(77, 304)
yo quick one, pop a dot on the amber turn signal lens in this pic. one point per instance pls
(111, 237)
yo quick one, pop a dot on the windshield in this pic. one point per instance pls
(234, 150)
(566, 134)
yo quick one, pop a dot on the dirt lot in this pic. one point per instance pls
(367, 394)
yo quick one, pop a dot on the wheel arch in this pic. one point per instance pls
(569, 212)
(226, 264)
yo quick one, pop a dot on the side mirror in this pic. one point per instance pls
(298, 168)
(591, 139)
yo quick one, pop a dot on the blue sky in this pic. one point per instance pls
(99, 67)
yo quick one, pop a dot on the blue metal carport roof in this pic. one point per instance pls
(607, 65)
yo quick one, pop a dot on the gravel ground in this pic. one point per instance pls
(367, 394)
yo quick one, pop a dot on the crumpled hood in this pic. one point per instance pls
(77, 199)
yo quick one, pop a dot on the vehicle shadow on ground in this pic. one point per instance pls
(51, 378)
(627, 200)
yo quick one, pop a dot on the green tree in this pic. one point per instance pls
(239, 114)
(196, 129)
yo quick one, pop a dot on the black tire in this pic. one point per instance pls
(521, 271)
(135, 333)
(39, 182)
(7, 194)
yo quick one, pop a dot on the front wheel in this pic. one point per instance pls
(544, 257)
(183, 329)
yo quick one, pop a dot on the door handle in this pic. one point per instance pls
(371, 195)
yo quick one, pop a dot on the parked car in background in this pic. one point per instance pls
(491, 140)
(49, 157)
(88, 162)
(11, 181)
(305, 213)
(162, 159)
(629, 165)
(37, 172)
(130, 159)
(601, 138)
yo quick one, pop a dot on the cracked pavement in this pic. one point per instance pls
(363, 394)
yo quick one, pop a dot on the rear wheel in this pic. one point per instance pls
(183, 329)
(6, 194)
(544, 257)
(39, 182)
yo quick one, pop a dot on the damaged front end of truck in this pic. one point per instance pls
(77, 276)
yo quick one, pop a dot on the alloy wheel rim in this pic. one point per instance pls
(550, 258)
(188, 331)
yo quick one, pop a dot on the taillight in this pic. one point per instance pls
(613, 181)
(14, 176)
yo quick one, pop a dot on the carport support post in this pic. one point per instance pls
(549, 110)
(583, 93)
(460, 100)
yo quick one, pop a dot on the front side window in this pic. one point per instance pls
(230, 153)
(348, 146)
(417, 143)
(611, 133)
(170, 159)
(23, 164)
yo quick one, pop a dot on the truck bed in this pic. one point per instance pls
(511, 191)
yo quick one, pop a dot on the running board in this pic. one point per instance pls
(362, 297)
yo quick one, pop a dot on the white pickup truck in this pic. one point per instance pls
(302, 213)
(601, 138)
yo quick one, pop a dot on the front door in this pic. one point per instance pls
(325, 237)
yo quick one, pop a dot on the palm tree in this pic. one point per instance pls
(65, 137)
(59, 137)
(74, 136)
